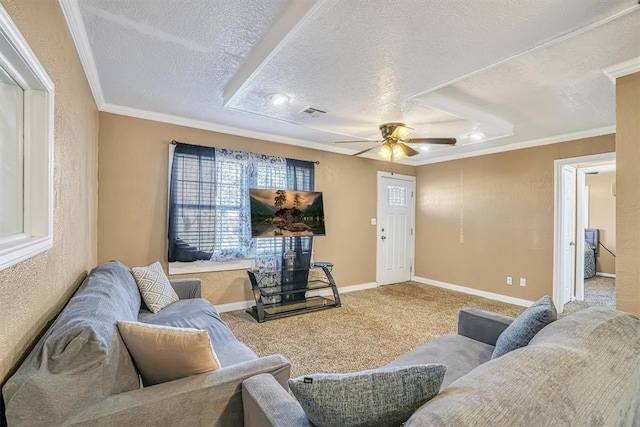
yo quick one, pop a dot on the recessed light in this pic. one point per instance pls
(476, 136)
(277, 98)
(424, 148)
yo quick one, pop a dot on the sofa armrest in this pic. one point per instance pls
(481, 325)
(187, 288)
(267, 404)
(211, 399)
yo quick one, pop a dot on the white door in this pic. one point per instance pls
(568, 232)
(396, 208)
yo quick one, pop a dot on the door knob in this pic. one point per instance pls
(383, 237)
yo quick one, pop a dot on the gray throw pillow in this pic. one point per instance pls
(378, 397)
(526, 326)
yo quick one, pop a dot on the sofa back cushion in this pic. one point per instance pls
(81, 358)
(583, 369)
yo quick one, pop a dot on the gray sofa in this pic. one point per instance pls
(80, 372)
(582, 370)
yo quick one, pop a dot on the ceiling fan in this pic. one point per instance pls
(393, 145)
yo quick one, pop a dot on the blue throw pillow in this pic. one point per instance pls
(526, 326)
(380, 397)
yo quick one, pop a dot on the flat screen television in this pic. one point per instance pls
(283, 213)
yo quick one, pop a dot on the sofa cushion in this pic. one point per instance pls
(380, 397)
(198, 313)
(583, 369)
(165, 353)
(81, 359)
(154, 286)
(526, 326)
(460, 354)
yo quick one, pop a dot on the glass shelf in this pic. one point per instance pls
(311, 286)
(274, 299)
(310, 303)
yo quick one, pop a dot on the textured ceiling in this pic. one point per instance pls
(518, 71)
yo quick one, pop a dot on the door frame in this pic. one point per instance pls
(557, 222)
(412, 212)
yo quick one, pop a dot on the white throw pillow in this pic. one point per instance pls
(164, 353)
(154, 287)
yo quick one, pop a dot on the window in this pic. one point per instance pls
(26, 149)
(209, 212)
(396, 196)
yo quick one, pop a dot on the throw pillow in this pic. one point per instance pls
(164, 353)
(379, 397)
(154, 287)
(526, 326)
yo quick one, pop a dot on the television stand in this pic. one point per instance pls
(275, 299)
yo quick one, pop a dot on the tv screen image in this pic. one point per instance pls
(276, 213)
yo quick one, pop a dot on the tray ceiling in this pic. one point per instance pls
(522, 73)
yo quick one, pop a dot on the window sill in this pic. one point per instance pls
(209, 266)
(15, 251)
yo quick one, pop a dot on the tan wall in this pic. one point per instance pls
(34, 291)
(628, 193)
(484, 218)
(602, 215)
(133, 165)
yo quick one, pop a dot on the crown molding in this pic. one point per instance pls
(606, 130)
(72, 14)
(623, 69)
(264, 136)
(214, 127)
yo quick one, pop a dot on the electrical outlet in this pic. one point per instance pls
(523, 281)
(509, 280)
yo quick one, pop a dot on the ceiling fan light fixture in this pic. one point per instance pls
(398, 152)
(277, 98)
(391, 151)
(386, 151)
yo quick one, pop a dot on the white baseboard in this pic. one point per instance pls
(233, 306)
(243, 305)
(344, 289)
(606, 275)
(472, 291)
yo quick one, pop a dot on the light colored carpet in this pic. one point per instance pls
(597, 291)
(372, 328)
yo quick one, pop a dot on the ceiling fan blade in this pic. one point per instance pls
(364, 151)
(349, 142)
(408, 150)
(443, 141)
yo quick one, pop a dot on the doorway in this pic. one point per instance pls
(574, 253)
(395, 228)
